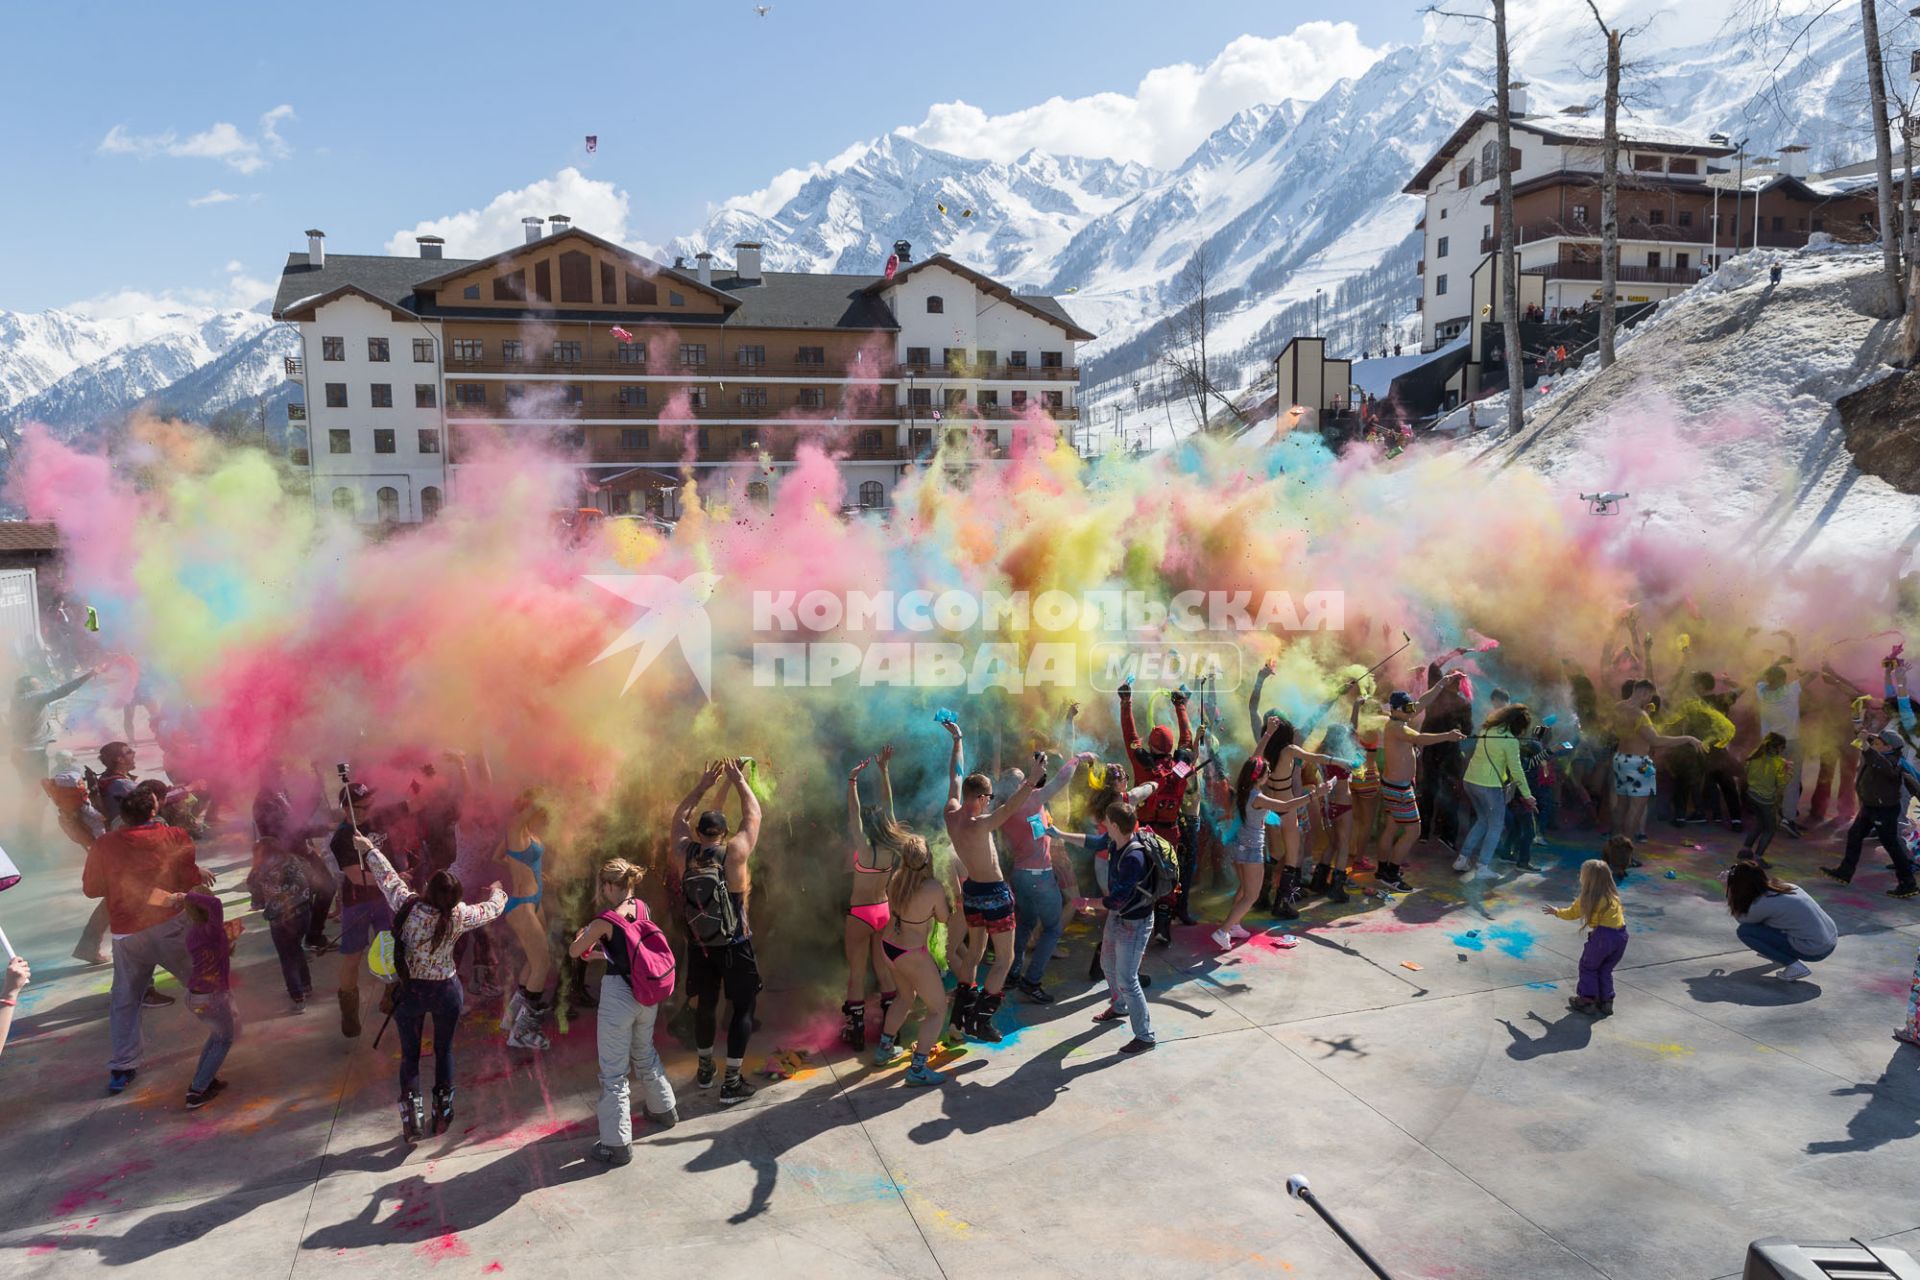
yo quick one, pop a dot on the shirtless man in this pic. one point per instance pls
(1633, 772)
(984, 894)
(1398, 742)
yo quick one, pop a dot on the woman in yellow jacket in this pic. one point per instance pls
(1495, 767)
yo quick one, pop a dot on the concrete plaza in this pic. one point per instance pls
(1459, 1119)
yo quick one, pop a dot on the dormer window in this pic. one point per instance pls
(936, 305)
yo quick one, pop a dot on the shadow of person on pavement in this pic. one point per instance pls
(1891, 1112)
(1025, 1092)
(1749, 987)
(1573, 1031)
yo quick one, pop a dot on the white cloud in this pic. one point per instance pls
(215, 196)
(1171, 110)
(239, 292)
(595, 206)
(221, 141)
(785, 186)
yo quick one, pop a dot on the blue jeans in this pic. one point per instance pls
(1037, 904)
(1773, 944)
(1122, 947)
(1489, 819)
(425, 998)
(223, 1028)
(135, 957)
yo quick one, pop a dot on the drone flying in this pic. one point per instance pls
(1604, 504)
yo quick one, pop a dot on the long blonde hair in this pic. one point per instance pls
(914, 869)
(1597, 890)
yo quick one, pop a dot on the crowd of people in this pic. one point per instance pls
(1367, 795)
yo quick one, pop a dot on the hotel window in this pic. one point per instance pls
(1684, 217)
(1440, 284)
(810, 398)
(1579, 215)
(429, 502)
(566, 353)
(810, 355)
(988, 399)
(1682, 261)
(339, 440)
(1653, 259)
(953, 398)
(871, 442)
(1646, 164)
(693, 353)
(706, 438)
(633, 397)
(991, 437)
(642, 293)
(382, 395)
(873, 494)
(336, 395)
(470, 393)
(511, 287)
(573, 394)
(955, 359)
(423, 350)
(1683, 164)
(383, 440)
(753, 397)
(1054, 399)
(343, 501)
(429, 440)
(1052, 360)
(986, 359)
(633, 353)
(936, 305)
(696, 397)
(758, 493)
(1440, 247)
(387, 503)
(1019, 400)
(675, 300)
(634, 437)
(1656, 217)
(1466, 175)
(1016, 359)
(919, 355)
(512, 350)
(469, 349)
(749, 438)
(920, 397)
(1489, 156)
(333, 348)
(750, 357)
(472, 292)
(1779, 224)
(423, 395)
(576, 277)
(919, 439)
(377, 350)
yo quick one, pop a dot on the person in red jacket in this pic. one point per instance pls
(138, 868)
(1154, 763)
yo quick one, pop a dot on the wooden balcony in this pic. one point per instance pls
(935, 370)
(548, 409)
(670, 449)
(961, 414)
(718, 368)
(1626, 275)
(1658, 232)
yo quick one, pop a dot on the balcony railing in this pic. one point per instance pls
(961, 414)
(296, 413)
(672, 451)
(296, 367)
(1627, 274)
(934, 370)
(546, 409)
(1659, 232)
(718, 368)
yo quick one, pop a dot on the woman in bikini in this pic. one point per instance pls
(915, 900)
(1280, 781)
(1249, 847)
(876, 839)
(1364, 786)
(524, 852)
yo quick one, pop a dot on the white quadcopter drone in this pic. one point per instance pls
(1604, 504)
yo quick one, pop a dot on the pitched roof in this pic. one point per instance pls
(1575, 131)
(1046, 308)
(388, 280)
(803, 300)
(573, 233)
(29, 535)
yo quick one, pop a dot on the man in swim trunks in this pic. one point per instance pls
(1633, 771)
(984, 894)
(1398, 742)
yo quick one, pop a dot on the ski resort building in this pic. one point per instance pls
(641, 375)
(1686, 204)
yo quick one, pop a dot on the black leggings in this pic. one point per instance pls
(731, 969)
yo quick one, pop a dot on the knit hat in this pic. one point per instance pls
(1160, 740)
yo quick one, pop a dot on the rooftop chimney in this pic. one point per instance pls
(431, 246)
(679, 263)
(705, 260)
(746, 260)
(316, 248)
(1517, 99)
(532, 224)
(557, 223)
(1793, 160)
(903, 250)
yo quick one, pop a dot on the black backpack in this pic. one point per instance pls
(711, 919)
(1162, 875)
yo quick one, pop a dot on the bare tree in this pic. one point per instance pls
(1187, 333)
(1609, 188)
(1882, 154)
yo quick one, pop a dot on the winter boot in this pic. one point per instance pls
(960, 1016)
(1298, 893)
(853, 1033)
(980, 1026)
(526, 1033)
(1162, 924)
(1095, 973)
(442, 1109)
(886, 1002)
(1322, 879)
(1337, 887)
(350, 1014)
(413, 1117)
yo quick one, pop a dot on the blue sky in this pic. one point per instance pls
(179, 150)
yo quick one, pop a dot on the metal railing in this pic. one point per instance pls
(1626, 274)
(296, 367)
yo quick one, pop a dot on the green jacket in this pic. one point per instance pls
(1496, 762)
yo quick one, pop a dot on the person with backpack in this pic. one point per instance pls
(640, 975)
(715, 886)
(283, 887)
(1139, 874)
(425, 928)
(1494, 766)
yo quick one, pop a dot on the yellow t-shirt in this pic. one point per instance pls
(1767, 778)
(1609, 916)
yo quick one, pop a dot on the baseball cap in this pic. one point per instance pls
(1399, 700)
(356, 792)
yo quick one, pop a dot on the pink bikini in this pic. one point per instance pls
(874, 915)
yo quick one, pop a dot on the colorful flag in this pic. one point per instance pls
(593, 143)
(893, 264)
(621, 334)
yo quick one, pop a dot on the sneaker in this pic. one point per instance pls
(1834, 873)
(1904, 891)
(1360, 863)
(887, 1052)
(1395, 881)
(1460, 863)
(1035, 992)
(665, 1119)
(299, 1004)
(615, 1156)
(1581, 1004)
(198, 1098)
(703, 1078)
(1473, 873)
(1606, 1008)
(1793, 972)
(1137, 1045)
(1112, 1013)
(1237, 933)
(1221, 938)
(154, 1000)
(524, 1036)
(920, 1075)
(734, 1090)
(119, 1080)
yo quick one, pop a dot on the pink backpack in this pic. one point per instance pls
(652, 967)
